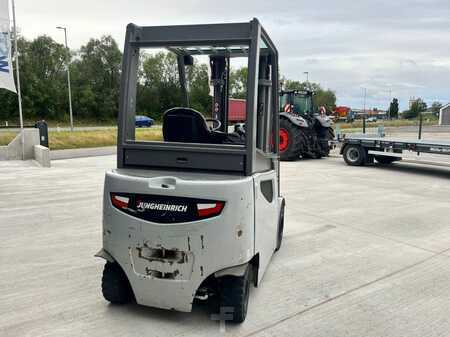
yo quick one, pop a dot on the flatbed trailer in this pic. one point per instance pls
(363, 150)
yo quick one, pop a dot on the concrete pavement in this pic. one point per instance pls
(366, 252)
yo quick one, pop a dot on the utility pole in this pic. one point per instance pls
(19, 93)
(68, 77)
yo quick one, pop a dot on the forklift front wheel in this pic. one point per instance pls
(115, 286)
(234, 294)
(355, 155)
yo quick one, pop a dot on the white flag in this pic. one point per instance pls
(6, 69)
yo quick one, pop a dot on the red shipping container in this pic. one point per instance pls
(237, 110)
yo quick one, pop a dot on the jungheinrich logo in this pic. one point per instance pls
(142, 206)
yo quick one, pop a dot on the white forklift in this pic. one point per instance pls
(198, 214)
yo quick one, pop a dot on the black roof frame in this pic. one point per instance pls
(227, 158)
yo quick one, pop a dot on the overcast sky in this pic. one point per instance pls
(345, 45)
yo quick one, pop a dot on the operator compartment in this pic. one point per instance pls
(188, 87)
(191, 99)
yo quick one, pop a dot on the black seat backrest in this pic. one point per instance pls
(185, 125)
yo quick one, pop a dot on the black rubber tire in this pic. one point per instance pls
(385, 160)
(318, 155)
(330, 136)
(233, 294)
(294, 147)
(355, 155)
(280, 226)
(324, 142)
(115, 286)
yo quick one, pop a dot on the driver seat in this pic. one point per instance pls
(185, 125)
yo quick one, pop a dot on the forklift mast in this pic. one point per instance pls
(220, 75)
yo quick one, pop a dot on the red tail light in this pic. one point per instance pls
(209, 210)
(120, 201)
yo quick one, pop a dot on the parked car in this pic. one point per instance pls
(144, 121)
(371, 120)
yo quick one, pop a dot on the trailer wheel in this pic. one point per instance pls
(280, 227)
(385, 160)
(234, 293)
(290, 140)
(115, 286)
(355, 155)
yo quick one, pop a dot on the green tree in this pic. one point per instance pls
(159, 86)
(416, 108)
(238, 83)
(199, 88)
(44, 66)
(44, 92)
(326, 98)
(393, 109)
(436, 108)
(96, 79)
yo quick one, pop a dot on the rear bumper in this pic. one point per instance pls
(166, 263)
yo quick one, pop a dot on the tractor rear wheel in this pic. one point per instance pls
(290, 140)
(325, 142)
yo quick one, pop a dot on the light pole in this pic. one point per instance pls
(390, 101)
(307, 76)
(68, 77)
(365, 95)
(19, 90)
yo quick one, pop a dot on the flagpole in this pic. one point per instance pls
(19, 94)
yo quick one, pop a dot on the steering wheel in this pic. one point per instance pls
(219, 123)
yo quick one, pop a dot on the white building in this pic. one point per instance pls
(444, 115)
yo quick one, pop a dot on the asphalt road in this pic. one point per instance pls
(78, 128)
(366, 253)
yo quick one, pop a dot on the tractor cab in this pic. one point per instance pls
(196, 213)
(299, 102)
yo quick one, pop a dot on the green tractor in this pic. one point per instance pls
(304, 131)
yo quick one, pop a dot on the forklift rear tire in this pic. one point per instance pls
(280, 227)
(115, 286)
(234, 293)
(355, 155)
